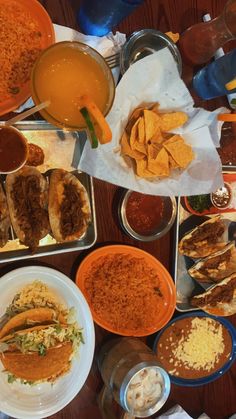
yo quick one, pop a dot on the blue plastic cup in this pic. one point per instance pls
(98, 17)
(210, 81)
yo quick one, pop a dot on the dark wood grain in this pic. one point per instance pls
(217, 399)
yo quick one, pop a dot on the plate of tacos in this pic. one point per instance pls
(46, 342)
(205, 268)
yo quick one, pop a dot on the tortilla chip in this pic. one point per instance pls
(153, 150)
(174, 139)
(172, 163)
(33, 367)
(173, 36)
(126, 149)
(142, 171)
(160, 165)
(182, 153)
(31, 317)
(136, 114)
(134, 134)
(152, 123)
(141, 130)
(140, 147)
(172, 120)
(157, 137)
(155, 108)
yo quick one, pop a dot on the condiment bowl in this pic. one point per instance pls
(145, 42)
(166, 221)
(222, 197)
(13, 149)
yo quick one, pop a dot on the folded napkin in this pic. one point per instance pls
(156, 79)
(105, 45)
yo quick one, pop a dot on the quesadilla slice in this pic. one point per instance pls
(204, 239)
(215, 267)
(220, 299)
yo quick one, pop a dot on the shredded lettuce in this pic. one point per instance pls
(45, 338)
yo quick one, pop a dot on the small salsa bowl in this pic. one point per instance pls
(146, 217)
(222, 197)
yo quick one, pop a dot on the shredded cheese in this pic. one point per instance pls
(202, 347)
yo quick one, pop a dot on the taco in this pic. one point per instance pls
(217, 266)
(220, 299)
(69, 207)
(203, 239)
(27, 198)
(41, 315)
(41, 352)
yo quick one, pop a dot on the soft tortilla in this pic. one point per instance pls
(58, 179)
(221, 308)
(34, 367)
(203, 247)
(223, 269)
(10, 180)
(35, 315)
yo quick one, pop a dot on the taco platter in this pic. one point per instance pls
(205, 265)
(38, 344)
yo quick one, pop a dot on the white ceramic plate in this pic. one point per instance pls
(34, 402)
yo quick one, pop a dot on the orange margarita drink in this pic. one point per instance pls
(62, 74)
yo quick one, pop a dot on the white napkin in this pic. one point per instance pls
(177, 412)
(156, 79)
(105, 45)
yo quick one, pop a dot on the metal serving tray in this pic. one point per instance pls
(186, 286)
(62, 149)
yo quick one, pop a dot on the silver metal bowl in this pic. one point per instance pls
(169, 214)
(146, 42)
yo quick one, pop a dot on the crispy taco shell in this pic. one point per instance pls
(215, 267)
(203, 239)
(34, 367)
(69, 208)
(220, 299)
(31, 317)
(30, 223)
(10, 336)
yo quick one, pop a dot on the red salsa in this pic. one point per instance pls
(13, 149)
(144, 213)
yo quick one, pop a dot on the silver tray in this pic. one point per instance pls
(186, 286)
(56, 143)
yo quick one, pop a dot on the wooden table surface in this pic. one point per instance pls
(218, 399)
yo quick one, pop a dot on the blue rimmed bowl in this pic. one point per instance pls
(217, 374)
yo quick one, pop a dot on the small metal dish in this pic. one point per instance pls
(164, 226)
(224, 196)
(146, 42)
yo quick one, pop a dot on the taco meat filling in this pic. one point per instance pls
(215, 263)
(32, 218)
(209, 233)
(219, 294)
(72, 216)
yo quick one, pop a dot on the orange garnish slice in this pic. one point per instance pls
(105, 132)
(227, 117)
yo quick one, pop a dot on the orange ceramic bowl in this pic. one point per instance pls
(167, 306)
(40, 15)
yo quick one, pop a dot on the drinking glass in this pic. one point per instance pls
(66, 71)
(200, 42)
(98, 17)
